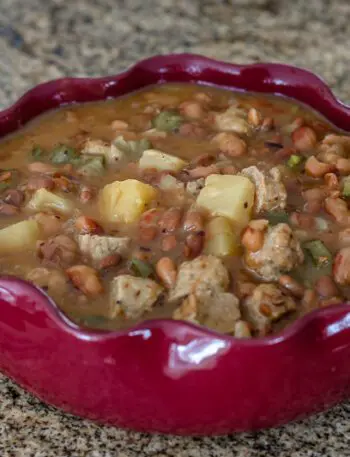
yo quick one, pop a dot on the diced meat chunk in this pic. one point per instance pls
(199, 276)
(194, 187)
(98, 247)
(217, 311)
(132, 297)
(265, 305)
(279, 254)
(271, 193)
(59, 250)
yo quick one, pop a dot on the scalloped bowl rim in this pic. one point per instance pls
(68, 325)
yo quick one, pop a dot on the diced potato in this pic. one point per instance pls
(125, 201)
(43, 200)
(110, 152)
(152, 158)
(19, 237)
(230, 196)
(221, 240)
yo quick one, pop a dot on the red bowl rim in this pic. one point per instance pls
(13, 118)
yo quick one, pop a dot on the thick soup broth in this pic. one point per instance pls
(225, 209)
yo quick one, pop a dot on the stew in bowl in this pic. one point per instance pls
(224, 209)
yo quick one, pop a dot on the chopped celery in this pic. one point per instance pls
(37, 153)
(141, 268)
(319, 253)
(277, 217)
(346, 188)
(167, 121)
(132, 148)
(294, 160)
(93, 166)
(64, 154)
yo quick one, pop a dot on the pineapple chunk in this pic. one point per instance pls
(152, 158)
(19, 237)
(125, 201)
(43, 200)
(230, 196)
(221, 240)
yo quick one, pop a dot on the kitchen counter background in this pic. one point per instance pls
(45, 39)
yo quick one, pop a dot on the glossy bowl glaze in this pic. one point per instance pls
(162, 375)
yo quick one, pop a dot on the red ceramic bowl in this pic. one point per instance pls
(164, 375)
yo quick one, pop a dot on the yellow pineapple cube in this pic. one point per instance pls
(230, 196)
(125, 201)
(19, 237)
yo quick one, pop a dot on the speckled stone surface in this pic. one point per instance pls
(45, 39)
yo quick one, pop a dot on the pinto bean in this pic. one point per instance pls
(117, 124)
(203, 160)
(63, 183)
(302, 220)
(166, 271)
(317, 169)
(314, 199)
(254, 117)
(109, 261)
(86, 194)
(331, 181)
(151, 217)
(14, 197)
(252, 239)
(40, 167)
(344, 237)
(341, 267)
(191, 130)
(290, 284)
(86, 225)
(169, 242)
(267, 124)
(147, 234)
(343, 166)
(326, 287)
(8, 210)
(192, 109)
(309, 300)
(85, 279)
(193, 221)
(304, 138)
(170, 220)
(40, 182)
(337, 208)
(203, 97)
(193, 244)
(230, 144)
(203, 172)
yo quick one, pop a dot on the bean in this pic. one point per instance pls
(63, 183)
(85, 279)
(344, 237)
(309, 300)
(193, 245)
(86, 225)
(325, 287)
(170, 220)
(8, 210)
(151, 217)
(230, 144)
(40, 182)
(192, 109)
(147, 234)
(267, 124)
(40, 167)
(331, 181)
(203, 160)
(169, 242)
(14, 197)
(317, 169)
(191, 130)
(343, 166)
(304, 138)
(86, 194)
(193, 221)
(292, 285)
(302, 220)
(337, 208)
(341, 267)
(166, 271)
(111, 260)
(117, 124)
(203, 172)
(254, 117)
(203, 97)
(252, 240)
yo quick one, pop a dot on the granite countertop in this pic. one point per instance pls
(45, 39)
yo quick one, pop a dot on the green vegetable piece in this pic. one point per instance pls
(37, 153)
(132, 148)
(141, 268)
(167, 121)
(294, 160)
(64, 154)
(346, 188)
(93, 166)
(319, 253)
(277, 217)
